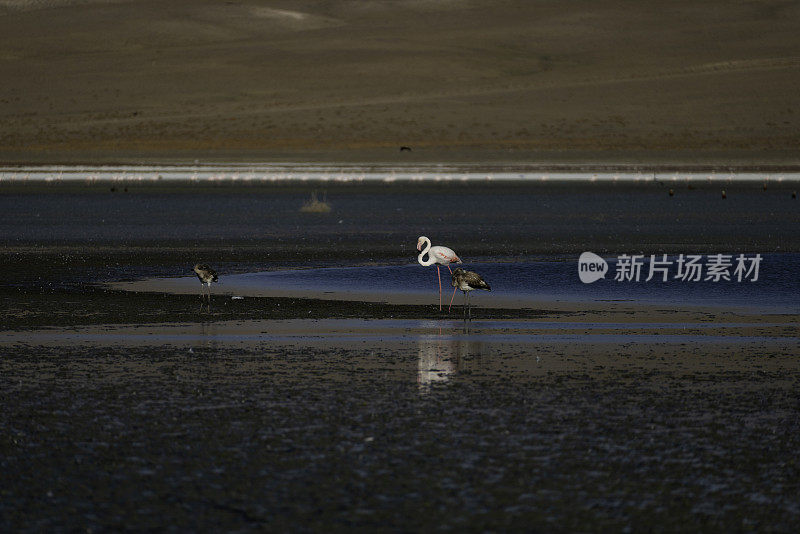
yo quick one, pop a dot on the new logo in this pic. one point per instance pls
(591, 267)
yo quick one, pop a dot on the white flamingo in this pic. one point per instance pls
(436, 256)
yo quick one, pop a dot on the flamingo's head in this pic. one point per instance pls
(421, 241)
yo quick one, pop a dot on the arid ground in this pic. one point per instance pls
(646, 82)
(141, 410)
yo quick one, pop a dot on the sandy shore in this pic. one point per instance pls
(241, 287)
(351, 81)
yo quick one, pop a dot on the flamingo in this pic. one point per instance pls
(437, 256)
(466, 281)
(206, 275)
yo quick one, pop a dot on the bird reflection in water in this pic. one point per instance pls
(208, 337)
(441, 358)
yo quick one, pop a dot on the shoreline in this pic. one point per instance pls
(187, 286)
(443, 165)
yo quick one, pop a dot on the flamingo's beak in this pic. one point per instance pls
(419, 245)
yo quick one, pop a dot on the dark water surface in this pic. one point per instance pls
(369, 220)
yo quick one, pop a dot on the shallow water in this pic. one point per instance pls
(523, 284)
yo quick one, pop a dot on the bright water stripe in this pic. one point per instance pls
(248, 172)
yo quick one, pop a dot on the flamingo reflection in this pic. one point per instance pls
(441, 358)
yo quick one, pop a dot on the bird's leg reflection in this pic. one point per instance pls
(208, 333)
(205, 298)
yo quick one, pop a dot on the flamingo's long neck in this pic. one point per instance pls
(425, 250)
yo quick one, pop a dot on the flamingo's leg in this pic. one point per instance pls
(438, 273)
(454, 289)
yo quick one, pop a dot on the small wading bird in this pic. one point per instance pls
(206, 275)
(438, 256)
(466, 281)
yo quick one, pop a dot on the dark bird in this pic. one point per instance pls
(724, 194)
(466, 281)
(794, 194)
(671, 193)
(405, 149)
(206, 275)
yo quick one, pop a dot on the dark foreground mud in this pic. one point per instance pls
(294, 438)
(28, 307)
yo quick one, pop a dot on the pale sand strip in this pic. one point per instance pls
(563, 311)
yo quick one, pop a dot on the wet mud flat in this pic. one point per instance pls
(689, 425)
(28, 308)
(446, 431)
